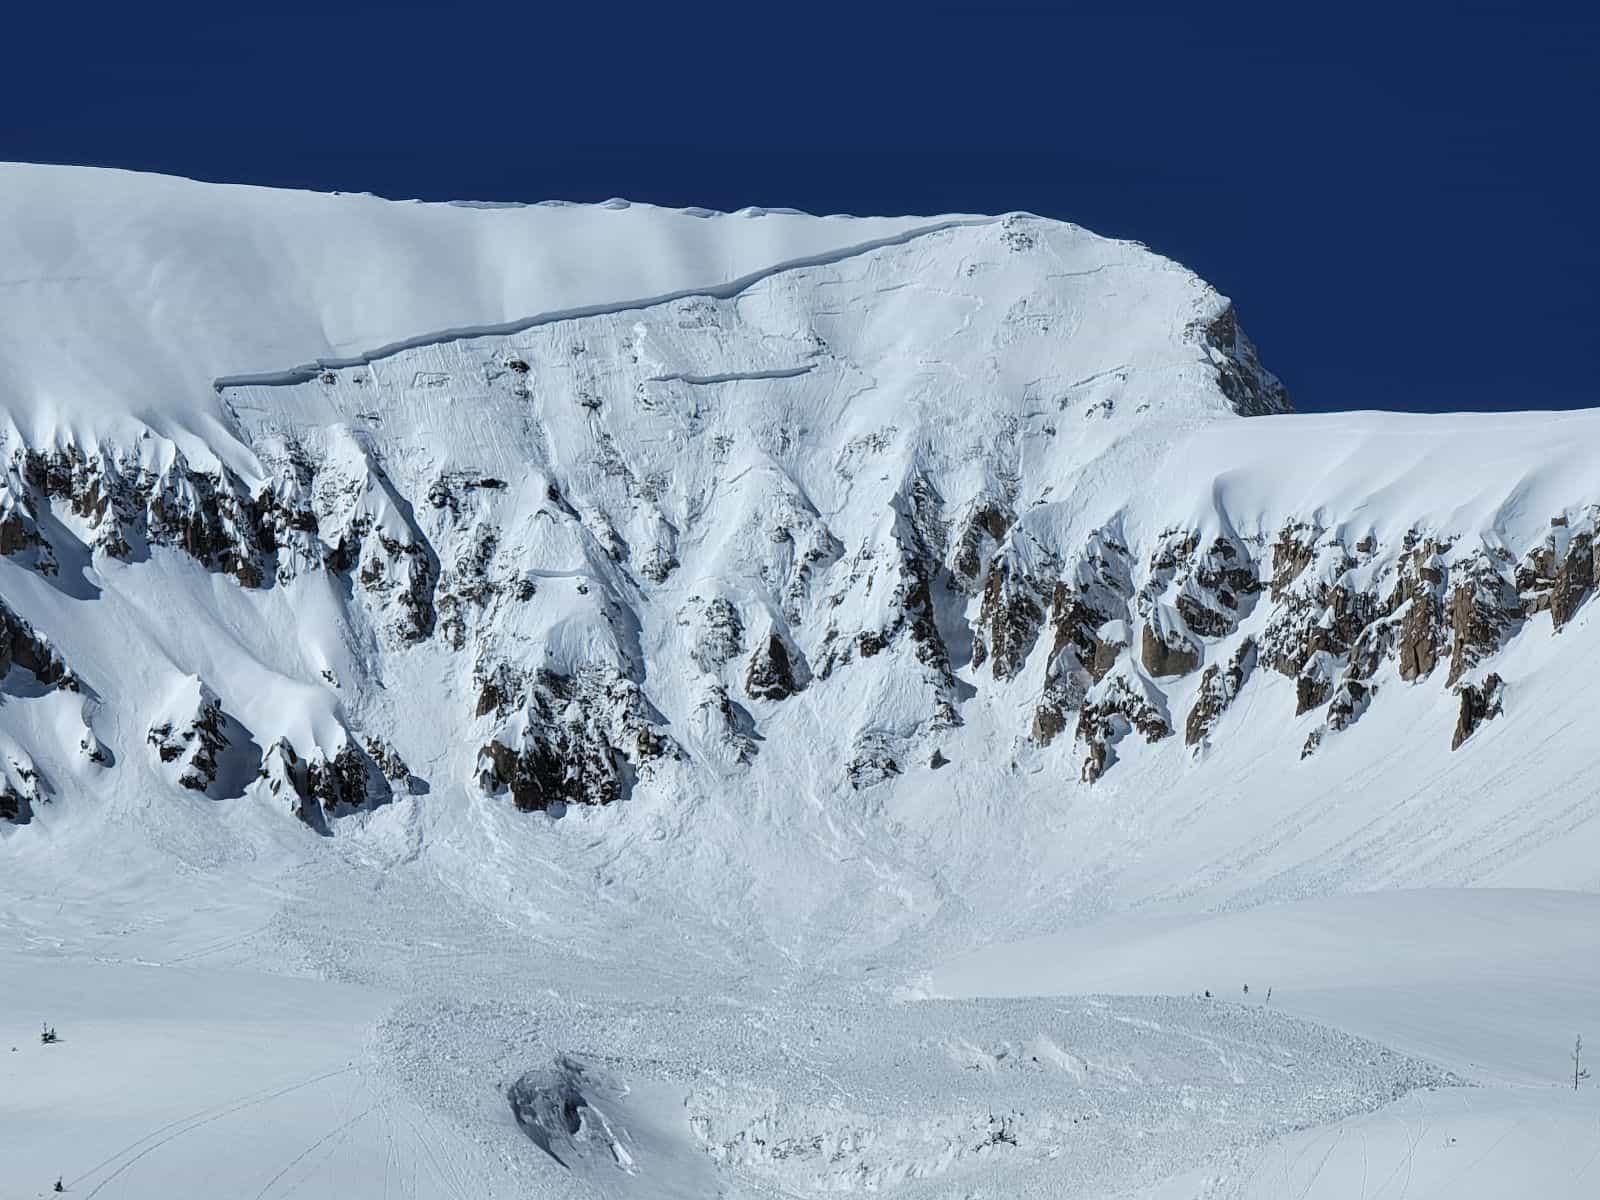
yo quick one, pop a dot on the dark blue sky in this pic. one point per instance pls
(1400, 198)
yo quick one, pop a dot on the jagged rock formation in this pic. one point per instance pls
(1088, 639)
(574, 739)
(1250, 388)
(21, 789)
(1478, 704)
(341, 781)
(1219, 688)
(1339, 609)
(1114, 708)
(718, 633)
(771, 675)
(21, 646)
(995, 475)
(321, 785)
(188, 736)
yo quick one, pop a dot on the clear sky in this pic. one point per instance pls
(1401, 198)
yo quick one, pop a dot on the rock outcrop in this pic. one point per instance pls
(325, 783)
(1219, 687)
(188, 737)
(1118, 706)
(1479, 703)
(21, 788)
(559, 558)
(573, 739)
(22, 646)
(771, 674)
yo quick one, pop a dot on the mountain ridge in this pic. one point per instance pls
(1001, 495)
(574, 759)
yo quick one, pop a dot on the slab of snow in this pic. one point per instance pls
(130, 293)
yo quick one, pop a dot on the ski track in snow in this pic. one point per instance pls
(137, 1151)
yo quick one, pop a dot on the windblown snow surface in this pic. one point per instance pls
(607, 701)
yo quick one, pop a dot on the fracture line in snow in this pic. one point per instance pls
(734, 376)
(718, 291)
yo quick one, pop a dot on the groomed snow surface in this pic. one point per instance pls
(983, 983)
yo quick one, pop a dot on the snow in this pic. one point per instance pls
(125, 292)
(158, 1067)
(1495, 984)
(748, 978)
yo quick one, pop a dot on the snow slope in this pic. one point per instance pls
(1493, 983)
(131, 293)
(626, 651)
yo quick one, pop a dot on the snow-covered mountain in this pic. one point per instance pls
(840, 488)
(851, 587)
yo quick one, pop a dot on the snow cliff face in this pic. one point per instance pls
(862, 502)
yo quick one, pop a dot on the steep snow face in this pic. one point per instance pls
(868, 520)
(638, 646)
(127, 294)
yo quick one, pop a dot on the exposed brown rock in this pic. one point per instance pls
(341, 783)
(914, 562)
(1251, 389)
(1049, 719)
(1484, 610)
(1106, 652)
(983, 530)
(1311, 688)
(1009, 621)
(1218, 689)
(1291, 555)
(1103, 722)
(1170, 656)
(571, 741)
(1082, 605)
(1478, 704)
(22, 646)
(1420, 587)
(1350, 700)
(1573, 579)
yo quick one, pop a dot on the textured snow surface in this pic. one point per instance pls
(551, 701)
(125, 292)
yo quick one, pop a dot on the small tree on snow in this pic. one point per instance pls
(1579, 1071)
